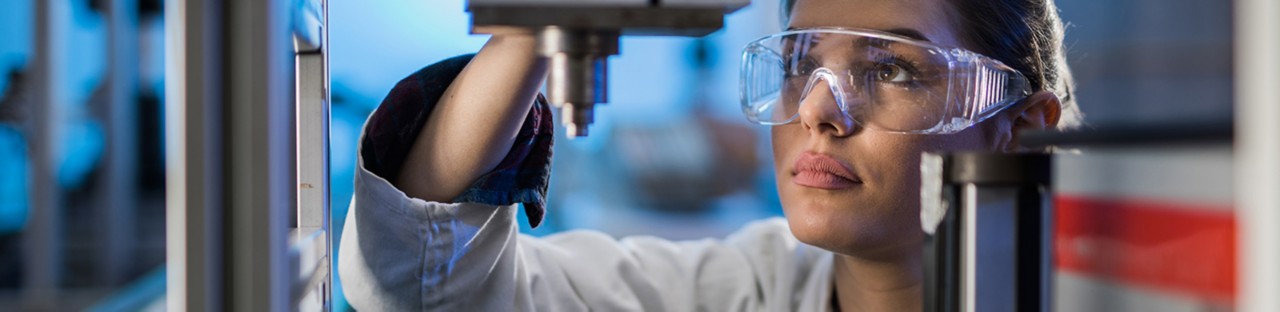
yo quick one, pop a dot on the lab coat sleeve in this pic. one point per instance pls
(392, 130)
(399, 253)
(404, 254)
(755, 269)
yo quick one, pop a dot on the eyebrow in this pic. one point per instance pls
(905, 32)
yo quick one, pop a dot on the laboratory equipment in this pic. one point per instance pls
(988, 221)
(578, 36)
(247, 191)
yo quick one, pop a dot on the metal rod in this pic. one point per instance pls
(231, 154)
(193, 153)
(578, 72)
(43, 237)
(313, 137)
(311, 246)
(1257, 152)
(119, 181)
(1185, 132)
(260, 154)
(989, 223)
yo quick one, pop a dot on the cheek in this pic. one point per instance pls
(896, 163)
(785, 141)
(902, 169)
(887, 155)
(893, 160)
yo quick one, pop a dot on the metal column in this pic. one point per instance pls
(193, 153)
(260, 153)
(119, 179)
(310, 250)
(231, 154)
(43, 237)
(1257, 153)
(989, 226)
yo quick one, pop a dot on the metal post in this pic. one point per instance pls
(231, 154)
(990, 232)
(313, 124)
(260, 154)
(43, 237)
(193, 152)
(310, 250)
(119, 181)
(1257, 152)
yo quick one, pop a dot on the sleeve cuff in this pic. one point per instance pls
(522, 177)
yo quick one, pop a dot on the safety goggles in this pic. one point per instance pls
(879, 80)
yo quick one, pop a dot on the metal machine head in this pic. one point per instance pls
(578, 36)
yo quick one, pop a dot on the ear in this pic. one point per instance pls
(1040, 110)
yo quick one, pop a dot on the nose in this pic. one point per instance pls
(820, 109)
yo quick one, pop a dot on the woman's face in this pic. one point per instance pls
(875, 212)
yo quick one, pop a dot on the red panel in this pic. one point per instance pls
(1171, 247)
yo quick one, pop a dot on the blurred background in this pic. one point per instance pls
(670, 155)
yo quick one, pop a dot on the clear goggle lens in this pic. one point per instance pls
(881, 81)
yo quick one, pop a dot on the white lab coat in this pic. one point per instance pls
(406, 254)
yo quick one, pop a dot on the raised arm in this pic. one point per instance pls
(477, 118)
(435, 230)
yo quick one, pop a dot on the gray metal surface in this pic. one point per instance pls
(646, 21)
(309, 257)
(1257, 152)
(309, 249)
(723, 4)
(231, 155)
(312, 140)
(193, 153)
(989, 223)
(577, 77)
(120, 177)
(990, 249)
(42, 243)
(579, 36)
(260, 154)
(565, 3)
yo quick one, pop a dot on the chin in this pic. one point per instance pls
(870, 229)
(823, 222)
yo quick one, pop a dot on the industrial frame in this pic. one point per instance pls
(247, 97)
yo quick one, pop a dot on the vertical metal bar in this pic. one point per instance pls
(311, 37)
(313, 138)
(1033, 236)
(231, 169)
(119, 181)
(990, 214)
(326, 289)
(968, 248)
(43, 237)
(193, 149)
(260, 154)
(1257, 152)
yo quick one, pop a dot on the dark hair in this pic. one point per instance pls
(1024, 34)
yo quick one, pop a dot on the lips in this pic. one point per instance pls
(823, 172)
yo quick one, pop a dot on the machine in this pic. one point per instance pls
(578, 36)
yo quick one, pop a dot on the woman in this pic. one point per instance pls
(854, 92)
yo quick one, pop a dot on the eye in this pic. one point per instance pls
(891, 72)
(800, 67)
